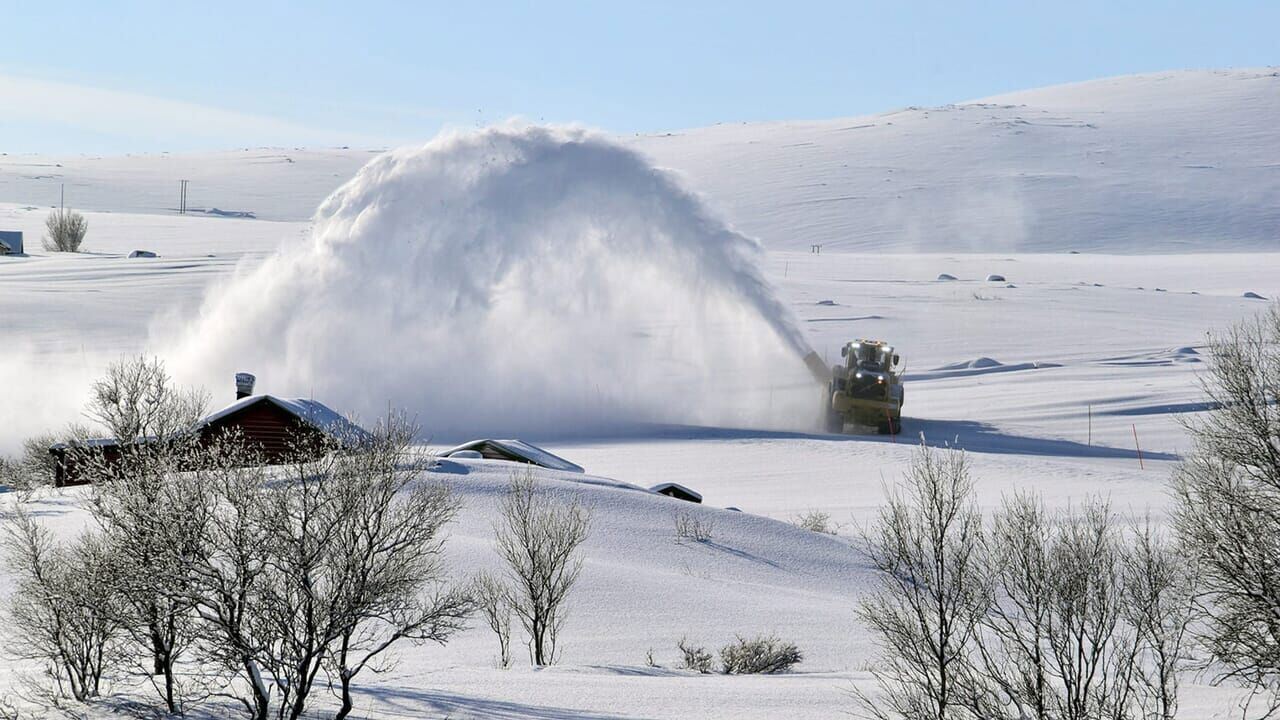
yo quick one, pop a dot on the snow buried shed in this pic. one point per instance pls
(513, 451)
(677, 491)
(10, 243)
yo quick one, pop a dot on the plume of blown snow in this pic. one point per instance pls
(514, 279)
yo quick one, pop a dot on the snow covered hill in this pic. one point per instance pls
(1166, 162)
(1184, 161)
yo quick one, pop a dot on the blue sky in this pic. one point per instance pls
(146, 76)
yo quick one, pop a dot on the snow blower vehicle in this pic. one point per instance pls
(867, 390)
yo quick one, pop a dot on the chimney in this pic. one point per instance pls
(244, 385)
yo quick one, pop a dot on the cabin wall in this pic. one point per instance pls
(271, 430)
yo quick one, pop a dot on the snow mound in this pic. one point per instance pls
(946, 276)
(506, 280)
(995, 278)
(1253, 296)
(977, 363)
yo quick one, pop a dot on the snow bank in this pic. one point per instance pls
(512, 279)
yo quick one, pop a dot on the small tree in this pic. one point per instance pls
(931, 592)
(1092, 650)
(65, 230)
(538, 537)
(493, 598)
(1228, 503)
(1014, 644)
(389, 554)
(1160, 587)
(137, 399)
(64, 610)
(146, 507)
(35, 467)
(320, 567)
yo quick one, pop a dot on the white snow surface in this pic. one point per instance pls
(1048, 385)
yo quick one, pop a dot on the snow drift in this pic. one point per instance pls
(514, 279)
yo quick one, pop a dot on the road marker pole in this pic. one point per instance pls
(1139, 447)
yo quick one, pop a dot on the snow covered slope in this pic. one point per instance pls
(1167, 162)
(1184, 161)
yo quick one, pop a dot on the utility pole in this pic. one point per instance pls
(62, 199)
(182, 198)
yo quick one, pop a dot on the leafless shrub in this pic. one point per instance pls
(815, 521)
(64, 611)
(1228, 504)
(694, 657)
(1047, 616)
(538, 536)
(691, 527)
(34, 468)
(65, 230)
(1057, 641)
(930, 593)
(761, 655)
(493, 598)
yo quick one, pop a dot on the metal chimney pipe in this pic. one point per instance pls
(244, 384)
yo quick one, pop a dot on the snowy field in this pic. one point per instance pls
(1050, 379)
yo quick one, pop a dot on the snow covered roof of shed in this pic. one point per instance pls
(313, 412)
(517, 451)
(678, 491)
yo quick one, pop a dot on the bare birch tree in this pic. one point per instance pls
(1160, 588)
(927, 547)
(1092, 650)
(493, 599)
(1013, 646)
(538, 536)
(321, 566)
(1228, 504)
(144, 505)
(388, 561)
(64, 611)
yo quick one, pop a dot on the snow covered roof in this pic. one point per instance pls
(313, 412)
(516, 450)
(678, 491)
